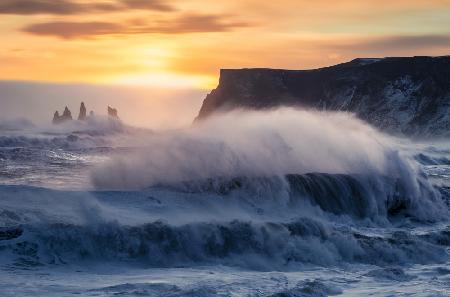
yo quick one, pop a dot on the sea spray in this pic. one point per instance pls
(259, 150)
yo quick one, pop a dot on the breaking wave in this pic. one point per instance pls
(339, 162)
(74, 134)
(250, 244)
(261, 190)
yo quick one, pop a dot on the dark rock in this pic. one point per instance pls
(66, 116)
(56, 118)
(72, 138)
(7, 233)
(112, 112)
(82, 115)
(400, 95)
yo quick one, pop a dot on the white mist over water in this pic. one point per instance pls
(151, 107)
(277, 143)
(216, 208)
(339, 162)
(246, 143)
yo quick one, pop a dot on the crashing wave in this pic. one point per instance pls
(266, 245)
(274, 190)
(338, 162)
(57, 227)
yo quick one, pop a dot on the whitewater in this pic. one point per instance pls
(284, 202)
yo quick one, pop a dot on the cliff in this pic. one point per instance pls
(398, 95)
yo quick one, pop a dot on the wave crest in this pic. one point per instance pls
(359, 170)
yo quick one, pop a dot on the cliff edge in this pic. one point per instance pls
(409, 95)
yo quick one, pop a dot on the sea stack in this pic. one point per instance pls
(67, 115)
(82, 115)
(56, 118)
(112, 112)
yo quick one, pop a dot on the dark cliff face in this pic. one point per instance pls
(399, 95)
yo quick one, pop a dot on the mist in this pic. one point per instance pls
(264, 148)
(155, 108)
(247, 143)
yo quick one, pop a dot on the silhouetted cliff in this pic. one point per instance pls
(400, 95)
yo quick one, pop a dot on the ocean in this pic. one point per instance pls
(277, 203)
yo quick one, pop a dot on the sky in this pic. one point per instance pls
(149, 107)
(182, 44)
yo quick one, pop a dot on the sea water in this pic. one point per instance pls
(278, 203)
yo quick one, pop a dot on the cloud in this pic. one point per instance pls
(146, 4)
(394, 43)
(70, 7)
(192, 23)
(69, 30)
(39, 6)
(188, 23)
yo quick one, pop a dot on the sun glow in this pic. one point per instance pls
(166, 79)
(184, 43)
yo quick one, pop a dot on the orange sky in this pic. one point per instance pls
(184, 43)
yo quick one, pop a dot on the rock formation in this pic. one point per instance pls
(400, 95)
(56, 118)
(66, 116)
(82, 115)
(112, 112)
